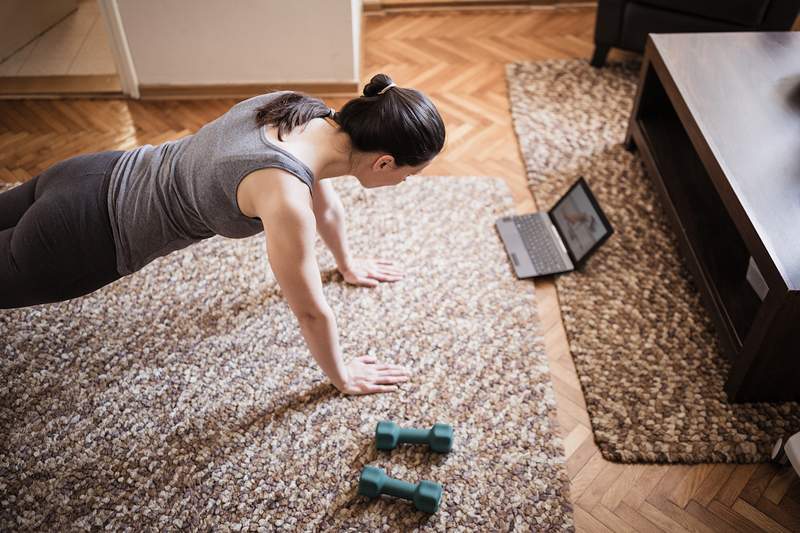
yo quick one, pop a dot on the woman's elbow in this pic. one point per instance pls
(315, 314)
(329, 216)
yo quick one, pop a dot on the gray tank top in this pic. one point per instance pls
(166, 197)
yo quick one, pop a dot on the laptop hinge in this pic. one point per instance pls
(558, 238)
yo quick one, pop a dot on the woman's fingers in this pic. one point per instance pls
(390, 366)
(394, 373)
(389, 270)
(367, 376)
(387, 266)
(373, 272)
(370, 389)
(382, 276)
(368, 282)
(389, 380)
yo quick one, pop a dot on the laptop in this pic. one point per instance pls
(559, 240)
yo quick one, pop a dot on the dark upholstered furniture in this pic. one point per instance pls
(625, 24)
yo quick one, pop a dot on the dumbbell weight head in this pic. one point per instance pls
(441, 438)
(427, 496)
(386, 435)
(371, 481)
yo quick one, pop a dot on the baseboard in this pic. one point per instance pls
(378, 6)
(170, 92)
(89, 86)
(108, 86)
(400, 5)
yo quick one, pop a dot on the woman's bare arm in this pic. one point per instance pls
(331, 226)
(329, 212)
(285, 208)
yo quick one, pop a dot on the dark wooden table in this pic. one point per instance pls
(717, 122)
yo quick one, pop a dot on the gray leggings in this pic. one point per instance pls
(55, 235)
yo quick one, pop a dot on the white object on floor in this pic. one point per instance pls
(792, 450)
(787, 451)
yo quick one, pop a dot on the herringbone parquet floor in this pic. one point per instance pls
(458, 59)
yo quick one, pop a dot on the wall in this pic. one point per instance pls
(204, 42)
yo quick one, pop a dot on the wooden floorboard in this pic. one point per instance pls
(458, 59)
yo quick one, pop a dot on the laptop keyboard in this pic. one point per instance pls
(540, 243)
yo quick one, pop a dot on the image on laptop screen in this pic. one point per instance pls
(579, 222)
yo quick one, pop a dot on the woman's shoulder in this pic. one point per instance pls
(270, 185)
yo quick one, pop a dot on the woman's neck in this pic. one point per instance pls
(321, 145)
(335, 151)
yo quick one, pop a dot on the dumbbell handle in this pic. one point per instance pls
(414, 435)
(399, 488)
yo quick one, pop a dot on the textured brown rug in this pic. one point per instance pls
(183, 396)
(645, 350)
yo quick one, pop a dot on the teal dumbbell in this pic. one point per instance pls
(426, 495)
(388, 435)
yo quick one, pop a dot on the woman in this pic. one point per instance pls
(262, 166)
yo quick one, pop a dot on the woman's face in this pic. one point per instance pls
(381, 171)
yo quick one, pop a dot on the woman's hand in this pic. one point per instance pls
(370, 272)
(366, 376)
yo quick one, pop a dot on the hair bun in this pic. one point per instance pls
(378, 83)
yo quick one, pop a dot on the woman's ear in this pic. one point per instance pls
(385, 161)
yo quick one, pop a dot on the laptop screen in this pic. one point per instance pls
(580, 221)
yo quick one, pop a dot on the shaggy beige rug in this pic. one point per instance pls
(183, 396)
(644, 347)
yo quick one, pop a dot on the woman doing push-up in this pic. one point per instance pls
(262, 166)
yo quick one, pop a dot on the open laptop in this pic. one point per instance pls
(559, 240)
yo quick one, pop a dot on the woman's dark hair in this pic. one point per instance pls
(401, 122)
